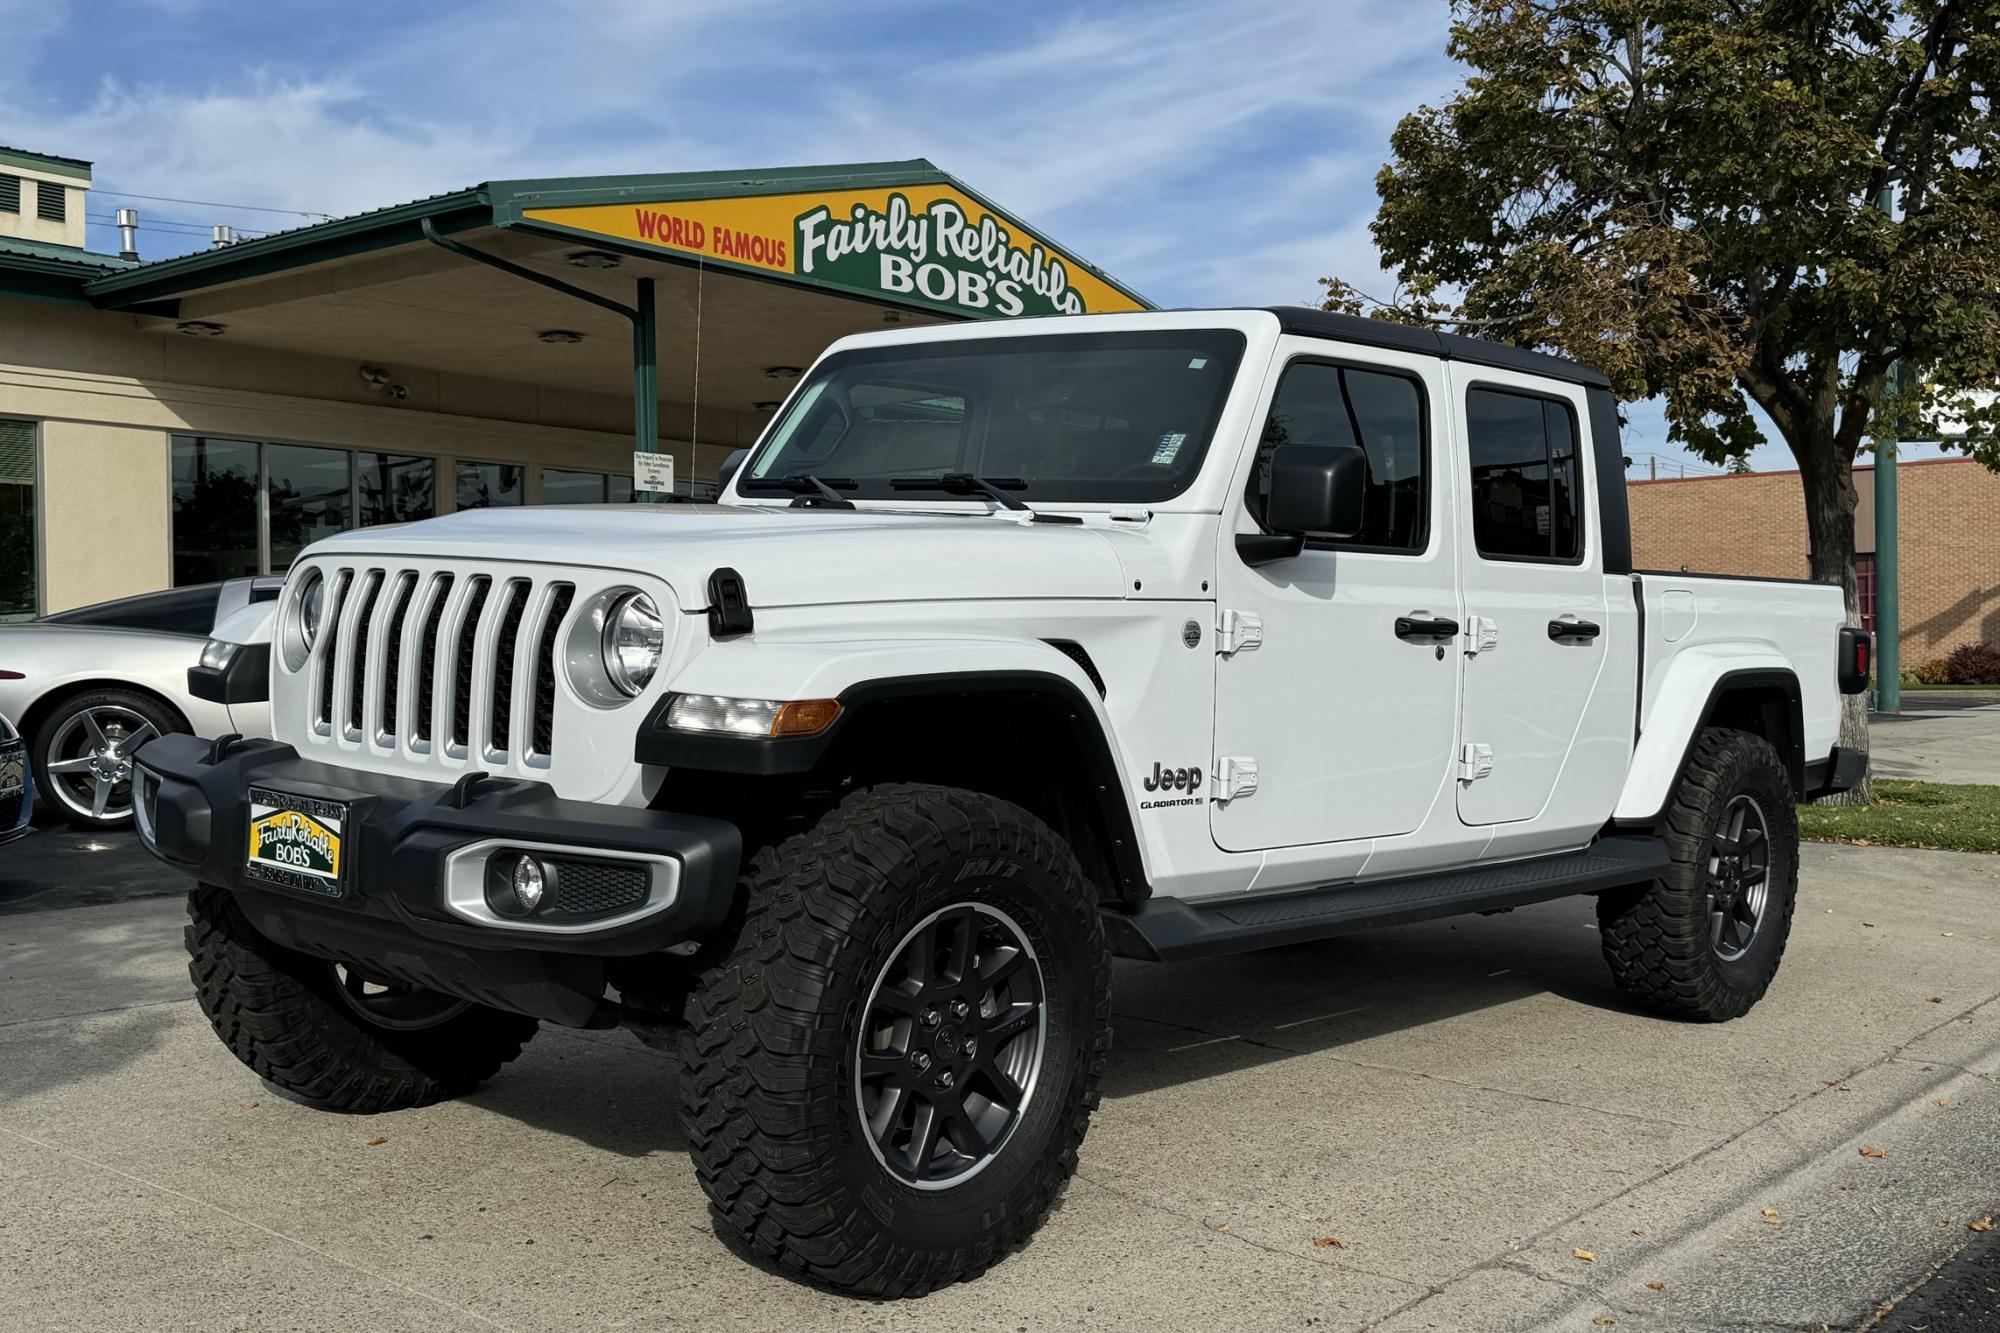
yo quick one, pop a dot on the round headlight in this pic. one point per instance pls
(634, 638)
(312, 606)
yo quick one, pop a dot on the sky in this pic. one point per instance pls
(1204, 154)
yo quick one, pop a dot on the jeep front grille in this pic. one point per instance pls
(427, 663)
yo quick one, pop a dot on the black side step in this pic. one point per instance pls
(1168, 930)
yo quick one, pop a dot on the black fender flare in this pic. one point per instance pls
(766, 757)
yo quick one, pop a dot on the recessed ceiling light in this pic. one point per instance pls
(197, 328)
(560, 336)
(767, 405)
(593, 259)
(782, 372)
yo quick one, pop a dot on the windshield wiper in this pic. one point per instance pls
(809, 488)
(993, 488)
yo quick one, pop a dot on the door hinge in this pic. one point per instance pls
(1238, 632)
(1482, 635)
(1474, 762)
(1235, 777)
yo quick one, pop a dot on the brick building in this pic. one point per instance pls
(1948, 515)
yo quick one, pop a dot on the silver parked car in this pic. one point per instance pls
(88, 687)
(17, 798)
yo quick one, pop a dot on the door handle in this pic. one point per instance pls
(1572, 629)
(1425, 627)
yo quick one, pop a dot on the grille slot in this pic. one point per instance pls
(392, 662)
(514, 603)
(463, 653)
(544, 739)
(326, 653)
(427, 643)
(357, 679)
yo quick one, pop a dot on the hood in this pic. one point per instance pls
(787, 557)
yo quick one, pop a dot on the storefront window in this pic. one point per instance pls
(395, 488)
(215, 509)
(563, 487)
(310, 498)
(484, 485)
(17, 520)
(621, 490)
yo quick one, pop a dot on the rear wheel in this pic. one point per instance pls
(1705, 940)
(890, 1069)
(330, 1034)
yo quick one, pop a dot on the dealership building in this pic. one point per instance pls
(1947, 515)
(517, 342)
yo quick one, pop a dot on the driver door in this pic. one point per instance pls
(1348, 704)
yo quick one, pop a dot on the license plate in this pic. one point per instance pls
(296, 841)
(13, 773)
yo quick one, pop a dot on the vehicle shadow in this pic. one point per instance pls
(1171, 1024)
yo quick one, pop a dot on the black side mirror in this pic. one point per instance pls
(1316, 490)
(729, 466)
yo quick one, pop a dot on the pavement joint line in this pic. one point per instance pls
(1346, 1265)
(1301, 1022)
(92, 1013)
(1979, 1074)
(156, 1186)
(1671, 1168)
(1591, 1289)
(1349, 1060)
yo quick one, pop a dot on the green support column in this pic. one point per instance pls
(1888, 614)
(646, 377)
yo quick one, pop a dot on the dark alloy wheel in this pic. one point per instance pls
(951, 1045)
(1739, 877)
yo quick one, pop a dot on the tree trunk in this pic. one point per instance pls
(1830, 499)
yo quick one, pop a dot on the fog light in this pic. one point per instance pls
(527, 884)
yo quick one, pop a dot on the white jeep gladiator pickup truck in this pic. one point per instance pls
(1009, 648)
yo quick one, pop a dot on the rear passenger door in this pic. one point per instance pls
(1531, 568)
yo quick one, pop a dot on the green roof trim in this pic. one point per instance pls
(42, 271)
(48, 163)
(504, 204)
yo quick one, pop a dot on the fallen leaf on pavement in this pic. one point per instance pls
(249, 1106)
(1831, 1082)
(377, 1142)
(1638, 1233)
(1329, 1243)
(1944, 1101)
(1869, 924)
(1947, 934)
(1585, 1255)
(1771, 1218)
(1223, 1227)
(1657, 1286)
(1981, 1225)
(1871, 1151)
(1601, 1319)
(1937, 999)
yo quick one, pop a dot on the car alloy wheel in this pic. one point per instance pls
(1739, 877)
(951, 1045)
(90, 760)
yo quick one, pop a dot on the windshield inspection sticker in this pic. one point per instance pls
(1169, 445)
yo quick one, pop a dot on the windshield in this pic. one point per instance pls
(1120, 418)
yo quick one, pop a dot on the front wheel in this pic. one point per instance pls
(1704, 940)
(331, 1035)
(891, 1068)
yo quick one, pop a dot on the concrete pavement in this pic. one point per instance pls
(1940, 737)
(1463, 1105)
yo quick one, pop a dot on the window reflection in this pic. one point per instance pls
(485, 485)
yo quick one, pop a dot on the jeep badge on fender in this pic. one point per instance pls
(869, 834)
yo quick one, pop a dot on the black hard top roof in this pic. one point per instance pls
(1311, 323)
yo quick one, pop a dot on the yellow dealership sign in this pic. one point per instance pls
(930, 245)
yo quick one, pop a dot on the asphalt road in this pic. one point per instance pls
(1941, 737)
(1462, 1105)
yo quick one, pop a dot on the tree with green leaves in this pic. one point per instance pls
(1689, 195)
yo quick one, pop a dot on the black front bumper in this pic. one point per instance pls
(391, 916)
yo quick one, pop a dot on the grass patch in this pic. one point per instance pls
(1937, 815)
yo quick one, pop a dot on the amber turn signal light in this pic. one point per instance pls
(805, 717)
